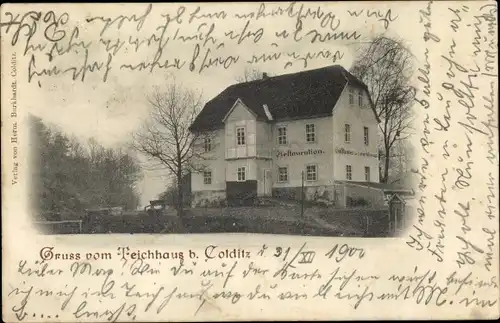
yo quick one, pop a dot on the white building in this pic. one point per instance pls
(268, 137)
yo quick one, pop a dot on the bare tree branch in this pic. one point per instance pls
(165, 139)
(250, 74)
(385, 66)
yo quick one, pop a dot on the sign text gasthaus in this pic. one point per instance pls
(344, 151)
(308, 152)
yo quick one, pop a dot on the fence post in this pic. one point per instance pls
(302, 197)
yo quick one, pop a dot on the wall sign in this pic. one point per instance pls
(308, 152)
(344, 151)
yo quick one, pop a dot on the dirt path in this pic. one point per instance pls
(311, 216)
(316, 219)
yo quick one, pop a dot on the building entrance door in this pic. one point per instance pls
(268, 182)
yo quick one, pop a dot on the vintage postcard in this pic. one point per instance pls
(250, 161)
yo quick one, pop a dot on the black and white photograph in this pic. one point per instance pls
(249, 161)
(322, 151)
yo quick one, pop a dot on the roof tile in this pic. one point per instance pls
(301, 95)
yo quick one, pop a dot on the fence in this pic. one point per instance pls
(60, 227)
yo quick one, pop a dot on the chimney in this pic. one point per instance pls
(264, 76)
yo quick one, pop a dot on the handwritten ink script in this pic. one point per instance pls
(183, 37)
(445, 262)
(155, 282)
(457, 220)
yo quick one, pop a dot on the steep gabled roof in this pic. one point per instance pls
(302, 95)
(238, 101)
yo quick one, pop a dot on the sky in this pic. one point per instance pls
(111, 111)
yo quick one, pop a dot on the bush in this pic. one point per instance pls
(352, 202)
(216, 203)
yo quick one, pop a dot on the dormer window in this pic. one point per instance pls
(207, 144)
(267, 112)
(351, 96)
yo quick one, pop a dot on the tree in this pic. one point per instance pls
(402, 158)
(170, 196)
(250, 74)
(165, 139)
(69, 177)
(385, 66)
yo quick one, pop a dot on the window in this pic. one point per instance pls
(207, 177)
(310, 133)
(282, 174)
(360, 98)
(240, 136)
(366, 136)
(347, 135)
(367, 173)
(351, 96)
(207, 144)
(348, 172)
(241, 174)
(311, 173)
(282, 135)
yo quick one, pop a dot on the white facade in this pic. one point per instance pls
(276, 153)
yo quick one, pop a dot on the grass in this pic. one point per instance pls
(234, 224)
(372, 222)
(284, 220)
